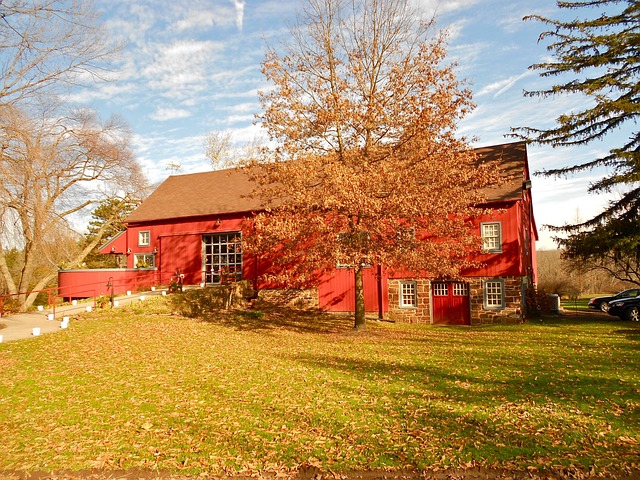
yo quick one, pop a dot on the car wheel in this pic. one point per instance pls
(604, 307)
(633, 314)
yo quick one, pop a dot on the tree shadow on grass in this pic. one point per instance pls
(630, 333)
(268, 317)
(522, 382)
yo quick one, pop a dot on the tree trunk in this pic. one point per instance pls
(360, 322)
(6, 274)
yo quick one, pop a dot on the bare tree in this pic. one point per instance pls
(222, 152)
(45, 44)
(219, 149)
(52, 169)
(367, 167)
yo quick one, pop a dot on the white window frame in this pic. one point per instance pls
(460, 289)
(440, 289)
(491, 234)
(149, 260)
(144, 238)
(408, 294)
(222, 257)
(493, 294)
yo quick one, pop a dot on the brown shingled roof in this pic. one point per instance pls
(197, 194)
(225, 191)
(512, 159)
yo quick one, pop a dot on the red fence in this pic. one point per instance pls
(79, 284)
(86, 283)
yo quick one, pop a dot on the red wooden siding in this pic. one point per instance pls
(183, 253)
(336, 292)
(93, 283)
(508, 262)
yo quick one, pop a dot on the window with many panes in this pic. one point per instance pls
(491, 233)
(460, 289)
(408, 295)
(144, 260)
(440, 289)
(144, 238)
(494, 294)
(222, 257)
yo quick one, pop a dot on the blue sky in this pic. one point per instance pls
(189, 68)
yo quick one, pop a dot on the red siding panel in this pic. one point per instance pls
(336, 292)
(508, 262)
(92, 283)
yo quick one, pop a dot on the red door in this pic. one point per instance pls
(450, 303)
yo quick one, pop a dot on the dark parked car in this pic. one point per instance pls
(602, 303)
(626, 308)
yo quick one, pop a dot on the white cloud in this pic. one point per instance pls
(196, 19)
(103, 91)
(239, 7)
(439, 6)
(501, 86)
(164, 114)
(180, 68)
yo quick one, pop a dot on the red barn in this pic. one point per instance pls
(193, 224)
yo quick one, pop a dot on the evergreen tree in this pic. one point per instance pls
(111, 214)
(602, 55)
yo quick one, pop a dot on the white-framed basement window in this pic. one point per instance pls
(144, 238)
(494, 295)
(408, 295)
(491, 233)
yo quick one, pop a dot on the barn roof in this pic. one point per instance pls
(513, 162)
(226, 191)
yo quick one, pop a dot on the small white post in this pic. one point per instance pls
(116, 303)
(40, 308)
(128, 293)
(50, 316)
(36, 331)
(164, 293)
(0, 338)
(74, 302)
(88, 308)
(142, 298)
(153, 289)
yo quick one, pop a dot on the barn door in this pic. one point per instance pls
(450, 303)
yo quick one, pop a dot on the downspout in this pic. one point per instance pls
(159, 260)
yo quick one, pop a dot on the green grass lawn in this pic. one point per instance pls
(576, 304)
(248, 392)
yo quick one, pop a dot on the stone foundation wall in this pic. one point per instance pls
(302, 299)
(512, 311)
(419, 314)
(510, 314)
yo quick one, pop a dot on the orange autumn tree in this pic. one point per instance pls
(366, 168)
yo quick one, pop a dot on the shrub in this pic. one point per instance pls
(538, 301)
(11, 305)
